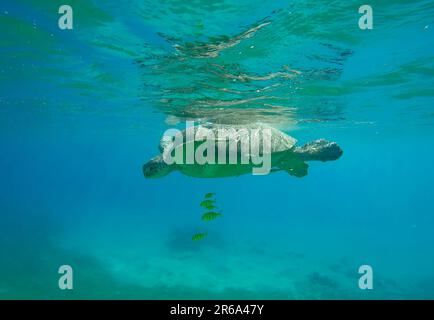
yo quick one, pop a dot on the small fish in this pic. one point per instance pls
(211, 207)
(207, 203)
(208, 216)
(209, 195)
(199, 236)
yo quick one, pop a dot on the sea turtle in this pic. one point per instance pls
(284, 155)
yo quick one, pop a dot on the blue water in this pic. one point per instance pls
(82, 110)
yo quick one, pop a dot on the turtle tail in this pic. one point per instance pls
(319, 150)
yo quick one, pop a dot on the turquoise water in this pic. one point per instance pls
(82, 110)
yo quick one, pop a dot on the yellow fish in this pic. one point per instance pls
(209, 195)
(199, 236)
(209, 204)
(210, 216)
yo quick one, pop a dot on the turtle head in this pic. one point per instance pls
(319, 150)
(156, 168)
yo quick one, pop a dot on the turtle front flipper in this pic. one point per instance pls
(294, 166)
(297, 169)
